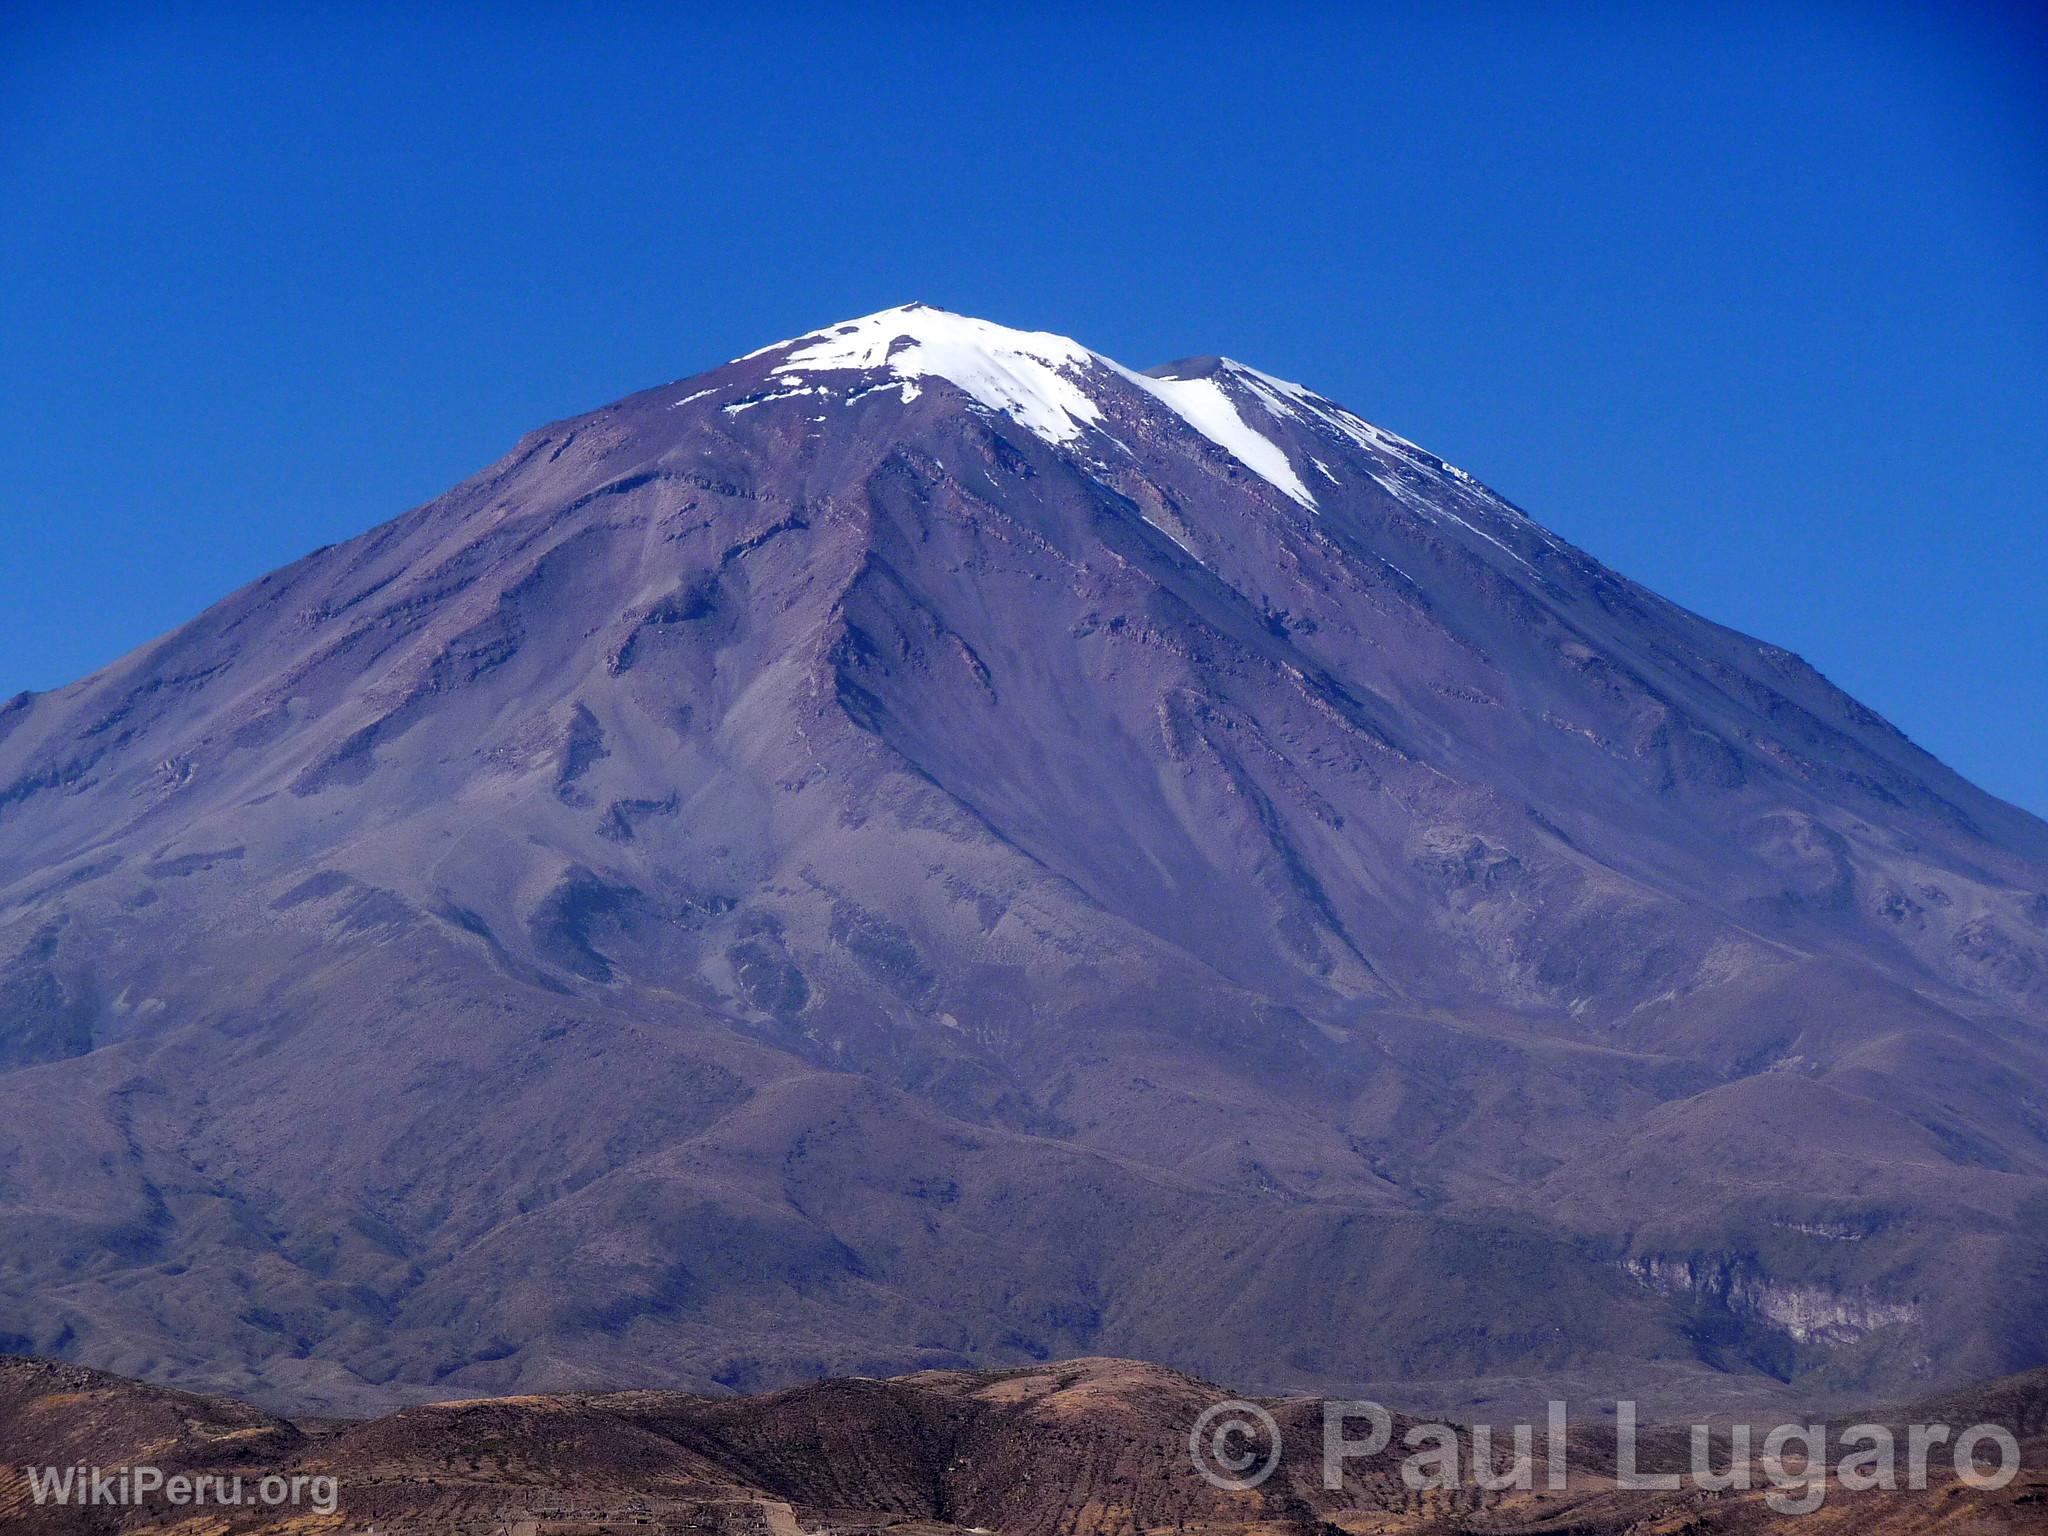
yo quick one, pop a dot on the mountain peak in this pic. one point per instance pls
(1204, 367)
(1029, 375)
(1046, 382)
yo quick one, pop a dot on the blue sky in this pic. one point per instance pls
(1750, 301)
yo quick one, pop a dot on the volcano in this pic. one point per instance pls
(925, 848)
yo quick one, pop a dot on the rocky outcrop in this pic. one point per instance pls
(1806, 1312)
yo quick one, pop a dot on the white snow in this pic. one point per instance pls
(907, 391)
(1203, 405)
(781, 394)
(1036, 378)
(1043, 382)
(1027, 375)
(1284, 398)
(1276, 395)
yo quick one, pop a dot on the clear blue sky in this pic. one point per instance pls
(1750, 301)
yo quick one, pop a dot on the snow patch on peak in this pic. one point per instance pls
(1284, 398)
(1028, 375)
(1040, 380)
(1203, 405)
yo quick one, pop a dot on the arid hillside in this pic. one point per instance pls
(1080, 1448)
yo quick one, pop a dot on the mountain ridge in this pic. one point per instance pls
(1087, 1445)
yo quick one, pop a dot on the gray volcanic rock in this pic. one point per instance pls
(924, 847)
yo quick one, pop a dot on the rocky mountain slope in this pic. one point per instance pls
(923, 847)
(1078, 1448)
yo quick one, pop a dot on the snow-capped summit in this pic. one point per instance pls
(1052, 384)
(1033, 376)
(1065, 392)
